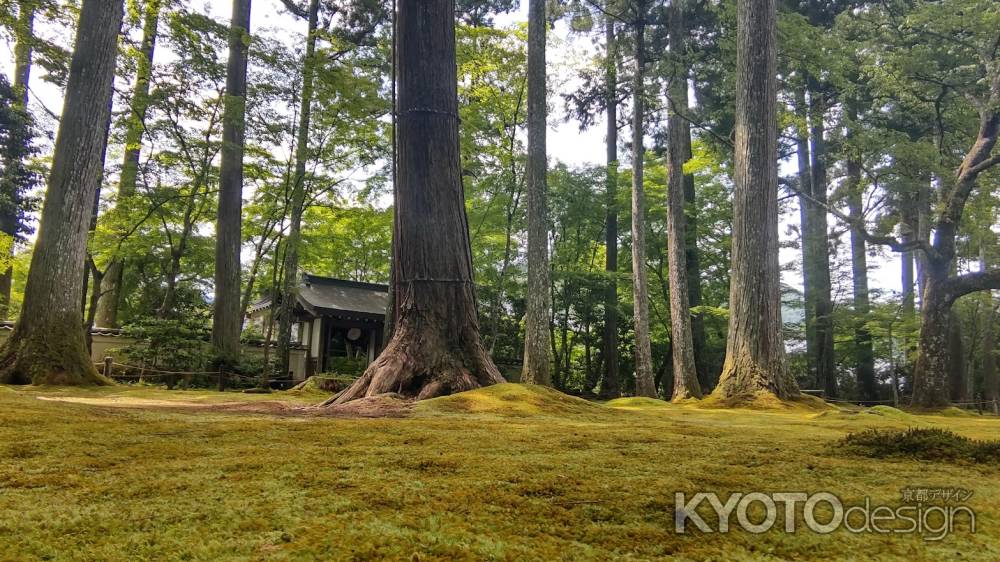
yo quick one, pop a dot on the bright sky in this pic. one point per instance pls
(566, 143)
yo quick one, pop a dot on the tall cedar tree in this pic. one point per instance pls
(435, 347)
(644, 382)
(864, 369)
(679, 140)
(537, 317)
(111, 288)
(226, 321)
(817, 229)
(611, 382)
(47, 345)
(755, 354)
(291, 260)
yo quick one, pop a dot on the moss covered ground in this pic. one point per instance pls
(503, 473)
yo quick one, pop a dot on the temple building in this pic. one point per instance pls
(339, 324)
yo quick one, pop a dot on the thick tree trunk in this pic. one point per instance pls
(826, 367)
(940, 290)
(536, 320)
(111, 287)
(931, 381)
(47, 345)
(226, 321)
(289, 286)
(644, 384)
(611, 382)
(436, 347)
(865, 354)
(685, 372)
(23, 36)
(755, 353)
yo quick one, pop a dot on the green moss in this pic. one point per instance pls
(509, 399)
(563, 479)
(931, 444)
(638, 403)
(890, 412)
(953, 412)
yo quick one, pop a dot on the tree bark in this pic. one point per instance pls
(864, 369)
(47, 345)
(755, 353)
(111, 287)
(536, 320)
(289, 286)
(907, 234)
(826, 367)
(436, 347)
(805, 228)
(226, 321)
(611, 382)
(644, 384)
(685, 372)
(991, 382)
(706, 378)
(23, 36)
(940, 289)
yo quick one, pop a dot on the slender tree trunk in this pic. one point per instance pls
(957, 364)
(23, 37)
(685, 372)
(865, 367)
(436, 347)
(611, 382)
(755, 353)
(706, 378)
(289, 288)
(536, 319)
(806, 228)
(111, 287)
(166, 309)
(47, 345)
(644, 385)
(826, 367)
(226, 321)
(923, 214)
(991, 382)
(907, 233)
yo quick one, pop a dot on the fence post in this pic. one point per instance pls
(107, 366)
(222, 380)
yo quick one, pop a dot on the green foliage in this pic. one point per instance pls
(18, 178)
(169, 344)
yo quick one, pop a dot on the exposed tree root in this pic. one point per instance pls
(55, 358)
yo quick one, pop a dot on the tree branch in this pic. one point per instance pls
(891, 241)
(962, 285)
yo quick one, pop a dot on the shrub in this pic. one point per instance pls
(929, 444)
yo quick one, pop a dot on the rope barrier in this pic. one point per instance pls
(150, 372)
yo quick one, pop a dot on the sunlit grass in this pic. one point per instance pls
(504, 473)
